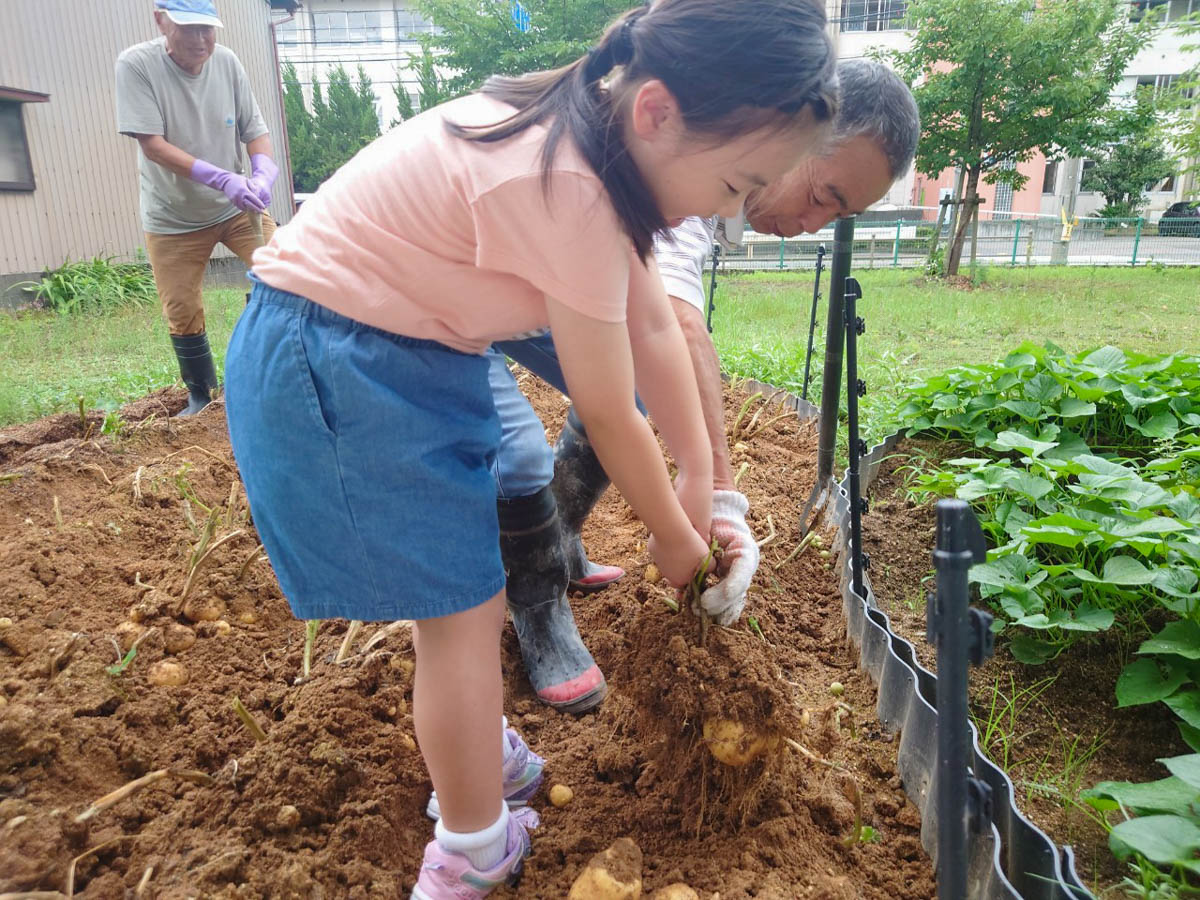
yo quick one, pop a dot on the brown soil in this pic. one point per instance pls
(1066, 708)
(331, 804)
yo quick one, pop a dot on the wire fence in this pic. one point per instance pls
(1012, 242)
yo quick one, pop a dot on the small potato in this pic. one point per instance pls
(612, 874)
(203, 608)
(740, 447)
(5, 622)
(247, 617)
(677, 891)
(730, 742)
(127, 633)
(837, 689)
(221, 628)
(168, 673)
(148, 606)
(561, 795)
(652, 574)
(407, 742)
(287, 818)
(178, 638)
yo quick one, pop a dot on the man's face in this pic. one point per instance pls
(843, 181)
(189, 45)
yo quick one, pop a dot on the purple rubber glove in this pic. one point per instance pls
(263, 173)
(236, 187)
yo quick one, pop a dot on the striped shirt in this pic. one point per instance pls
(682, 254)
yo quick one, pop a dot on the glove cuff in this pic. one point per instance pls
(207, 174)
(263, 166)
(730, 503)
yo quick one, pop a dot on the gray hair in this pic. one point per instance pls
(874, 102)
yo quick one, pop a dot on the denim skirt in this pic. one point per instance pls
(367, 459)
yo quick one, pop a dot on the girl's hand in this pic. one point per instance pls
(678, 560)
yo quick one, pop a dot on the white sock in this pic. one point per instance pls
(483, 848)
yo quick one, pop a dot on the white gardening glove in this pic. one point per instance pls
(739, 558)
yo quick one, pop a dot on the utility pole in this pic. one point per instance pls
(1058, 250)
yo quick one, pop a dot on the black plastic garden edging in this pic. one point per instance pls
(1011, 859)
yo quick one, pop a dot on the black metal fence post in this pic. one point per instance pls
(963, 637)
(856, 446)
(812, 320)
(831, 375)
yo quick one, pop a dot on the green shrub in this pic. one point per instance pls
(94, 286)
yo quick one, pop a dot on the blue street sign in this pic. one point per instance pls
(520, 16)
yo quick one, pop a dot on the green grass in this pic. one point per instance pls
(918, 328)
(47, 361)
(914, 328)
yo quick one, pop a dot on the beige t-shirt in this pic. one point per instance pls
(431, 236)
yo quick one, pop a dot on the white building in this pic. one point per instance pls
(379, 35)
(861, 26)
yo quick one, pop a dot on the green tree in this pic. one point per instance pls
(996, 80)
(479, 40)
(404, 104)
(431, 87)
(1133, 155)
(302, 145)
(342, 121)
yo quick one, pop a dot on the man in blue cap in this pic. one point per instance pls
(188, 103)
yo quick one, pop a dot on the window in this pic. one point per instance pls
(366, 26)
(874, 15)
(1088, 165)
(1166, 11)
(331, 27)
(16, 168)
(1050, 179)
(410, 22)
(290, 32)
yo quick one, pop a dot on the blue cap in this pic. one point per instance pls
(190, 12)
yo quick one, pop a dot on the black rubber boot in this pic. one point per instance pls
(561, 669)
(196, 367)
(579, 481)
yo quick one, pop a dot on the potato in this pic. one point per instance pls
(127, 633)
(836, 688)
(148, 606)
(5, 622)
(168, 672)
(178, 638)
(203, 608)
(730, 742)
(287, 818)
(613, 874)
(677, 891)
(652, 574)
(561, 795)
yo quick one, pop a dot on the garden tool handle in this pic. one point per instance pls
(256, 227)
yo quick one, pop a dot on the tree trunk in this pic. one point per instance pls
(970, 208)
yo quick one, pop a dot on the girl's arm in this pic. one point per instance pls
(666, 382)
(597, 363)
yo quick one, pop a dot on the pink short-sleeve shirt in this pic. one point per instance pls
(431, 236)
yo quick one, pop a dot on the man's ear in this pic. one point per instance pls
(655, 111)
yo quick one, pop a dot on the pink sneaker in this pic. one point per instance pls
(522, 772)
(450, 876)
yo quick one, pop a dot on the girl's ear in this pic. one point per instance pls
(655, 112)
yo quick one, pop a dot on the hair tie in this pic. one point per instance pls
(617, 51)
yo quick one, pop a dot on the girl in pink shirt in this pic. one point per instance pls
(357, 391)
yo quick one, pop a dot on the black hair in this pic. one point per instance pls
(733, 66)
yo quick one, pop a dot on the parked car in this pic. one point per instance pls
(1181, 219)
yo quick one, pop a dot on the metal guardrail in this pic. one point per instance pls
(905, 243)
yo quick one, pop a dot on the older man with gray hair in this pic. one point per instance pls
(873, 141)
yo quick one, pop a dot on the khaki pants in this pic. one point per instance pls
(178, 261)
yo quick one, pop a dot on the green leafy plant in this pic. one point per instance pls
(94, 286)
(1086, 477)
(1160, 824)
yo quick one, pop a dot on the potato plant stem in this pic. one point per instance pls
(310, 636)
(248, 720)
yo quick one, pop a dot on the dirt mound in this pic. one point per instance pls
(108, 540)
